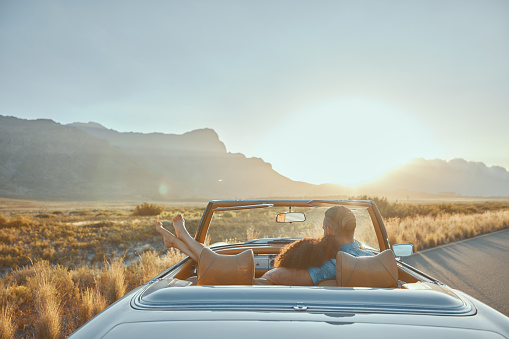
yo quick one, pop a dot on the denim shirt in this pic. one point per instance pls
(328, 270)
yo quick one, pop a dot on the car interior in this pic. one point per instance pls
(247, 261)
(379, 271)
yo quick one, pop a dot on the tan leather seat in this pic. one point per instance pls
(377, 271)
(219, 269)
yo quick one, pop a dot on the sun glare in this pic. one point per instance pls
(345, 141)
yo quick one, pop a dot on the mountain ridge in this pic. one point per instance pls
(459, 176)
(87, 161)
(39, 159)
(46, 160)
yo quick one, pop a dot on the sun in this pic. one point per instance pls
(345, 141)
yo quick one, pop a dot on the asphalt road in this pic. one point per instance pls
(478, 266)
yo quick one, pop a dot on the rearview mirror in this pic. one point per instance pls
(291, 217)
(403, 250)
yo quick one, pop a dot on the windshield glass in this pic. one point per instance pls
(238, 226)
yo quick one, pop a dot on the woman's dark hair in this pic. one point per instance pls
(308, 252)
(314, 252)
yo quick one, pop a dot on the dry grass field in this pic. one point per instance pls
(62, 263)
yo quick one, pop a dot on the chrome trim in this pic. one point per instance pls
(314, 300)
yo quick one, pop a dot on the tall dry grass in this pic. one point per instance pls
(429, 231)
(91, 303)
(7, 327)
(42, 298)
(113, 280)
(51, 301)
(49, 309)
(76, 238)
(150, 264)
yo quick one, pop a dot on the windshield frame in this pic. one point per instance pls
(376, 218)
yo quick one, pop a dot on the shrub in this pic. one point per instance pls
(84, 277)
(18, 222)
(20, 294)
(7, 237)
(3, 219)
(147, 209)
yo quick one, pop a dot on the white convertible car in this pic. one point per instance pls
(224, 296)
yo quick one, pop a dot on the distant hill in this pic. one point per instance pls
(41, 159)
(453, 177)
(46, 160)
(196, 165)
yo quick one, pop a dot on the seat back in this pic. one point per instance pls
(375, 271)
(220, 269)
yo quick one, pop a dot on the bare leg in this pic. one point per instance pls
(183, 234)
(172, 241)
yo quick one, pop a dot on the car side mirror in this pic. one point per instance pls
(403, 250)
(291, 217)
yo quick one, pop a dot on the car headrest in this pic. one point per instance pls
(219, 269)
(376, 271)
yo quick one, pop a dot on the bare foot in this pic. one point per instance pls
(168, 237)
(179, 225)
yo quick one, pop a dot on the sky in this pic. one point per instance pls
(326, 91)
